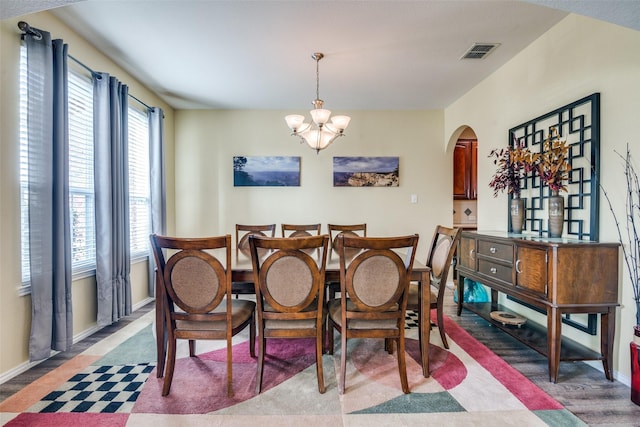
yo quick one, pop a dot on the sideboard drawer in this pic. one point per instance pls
(502, 251)
(495, 271)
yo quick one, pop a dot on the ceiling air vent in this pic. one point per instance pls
(480, 50)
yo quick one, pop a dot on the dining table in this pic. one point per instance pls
(242, 271)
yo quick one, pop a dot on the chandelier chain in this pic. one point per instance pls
(318, 77)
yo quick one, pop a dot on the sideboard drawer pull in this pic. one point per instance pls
(492, 249)
(518, 267)
(493, 270)
(472, 254)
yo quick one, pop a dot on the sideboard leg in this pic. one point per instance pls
(460, 291)
(494, 300)
(554, 339)
(607, 335)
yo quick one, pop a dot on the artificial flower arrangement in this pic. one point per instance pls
(552, 164)
(514, 163)
(517, 161)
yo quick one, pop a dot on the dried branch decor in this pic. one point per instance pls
(629, 233)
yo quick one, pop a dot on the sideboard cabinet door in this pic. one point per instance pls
(531, 270)
(467, 253)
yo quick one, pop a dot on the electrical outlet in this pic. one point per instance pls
(414, 198)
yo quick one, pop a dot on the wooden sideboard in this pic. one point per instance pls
(558, 276)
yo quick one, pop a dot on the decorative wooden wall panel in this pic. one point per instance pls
(579, 124)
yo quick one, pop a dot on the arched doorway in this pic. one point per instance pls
(465, 179)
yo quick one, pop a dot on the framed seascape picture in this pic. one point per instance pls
(265, 171)
(366, 172)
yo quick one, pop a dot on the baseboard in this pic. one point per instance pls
(21, 368)
(616, 375)
(142, 303)
(25, 366)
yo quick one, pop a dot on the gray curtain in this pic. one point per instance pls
(111, 180)
(49, 224)
(158, 189)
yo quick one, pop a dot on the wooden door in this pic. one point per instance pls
(465, 169)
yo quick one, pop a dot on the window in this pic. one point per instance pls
(81, 190)
(81, 170)
(24, 169)
(139, 184)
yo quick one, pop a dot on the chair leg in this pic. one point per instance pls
(388, 345)
(192, 348)
(252, 337)
(440, 317)
(343, 362)
(171, 363)
(419, 328)
(229, 367)
(330, 336)
(161, 335)
(402, 365)
(319, 353)
(261, 349)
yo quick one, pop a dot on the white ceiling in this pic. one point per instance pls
(379, 55)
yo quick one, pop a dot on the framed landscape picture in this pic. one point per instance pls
(266, 171)
(366, 172)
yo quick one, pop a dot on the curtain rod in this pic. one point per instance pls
(27, 29)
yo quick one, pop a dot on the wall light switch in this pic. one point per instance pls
(414, 198)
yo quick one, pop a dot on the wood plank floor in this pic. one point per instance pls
(581, 388)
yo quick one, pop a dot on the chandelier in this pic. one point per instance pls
(324, 133)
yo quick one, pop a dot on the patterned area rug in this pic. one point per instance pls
(117, 386)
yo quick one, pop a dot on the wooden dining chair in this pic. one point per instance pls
(374, 288)
(197, 302)
(336, 230)
(300, 230)
(351, 230)
(290, 293)
(441, 252)
(243, 251)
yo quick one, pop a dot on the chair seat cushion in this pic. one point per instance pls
(335, 312)
(241, 311)
(414, 295)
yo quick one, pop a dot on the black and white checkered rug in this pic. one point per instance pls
(100, 389)
(411, 319)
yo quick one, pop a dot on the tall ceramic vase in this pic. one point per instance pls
(635, 366)
(556, 214)
(516, 210)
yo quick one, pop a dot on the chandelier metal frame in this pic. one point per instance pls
(324, 133)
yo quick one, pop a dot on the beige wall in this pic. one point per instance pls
(207, 202)
(577, 57)
(15, 314)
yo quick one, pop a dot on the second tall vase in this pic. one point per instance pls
(635, 366)
(556, 214)
(516, 210)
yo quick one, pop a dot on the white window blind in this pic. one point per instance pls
(139, 185)
(81, 190)
(24, 169)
